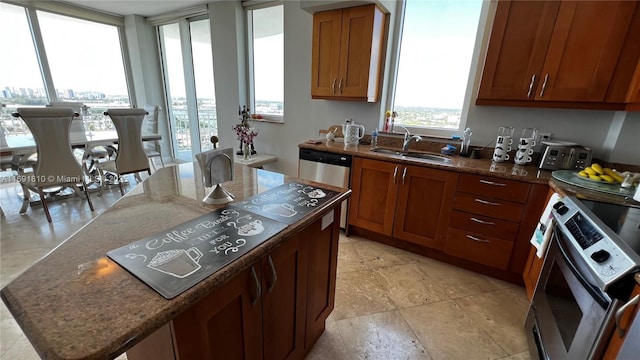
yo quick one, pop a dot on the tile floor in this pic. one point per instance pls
(390, 304)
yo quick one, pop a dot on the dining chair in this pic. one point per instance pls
(130, 158)
(78, 134)
(152, 148)
(56, 165)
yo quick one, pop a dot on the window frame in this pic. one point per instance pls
(475, 70)
(271, 118)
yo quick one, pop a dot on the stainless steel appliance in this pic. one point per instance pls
(558, 155)
(328, 168)
(586, 277)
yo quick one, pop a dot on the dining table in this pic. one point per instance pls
(23, 150)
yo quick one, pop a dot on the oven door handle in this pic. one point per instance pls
(594, 291)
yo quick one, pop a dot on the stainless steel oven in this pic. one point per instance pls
(586, 277)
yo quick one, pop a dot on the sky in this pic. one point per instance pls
(437, 45)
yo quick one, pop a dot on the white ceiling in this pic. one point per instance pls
(136, 7)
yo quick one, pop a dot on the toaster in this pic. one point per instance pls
(564, 155)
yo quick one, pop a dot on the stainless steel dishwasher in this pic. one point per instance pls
(328, 168)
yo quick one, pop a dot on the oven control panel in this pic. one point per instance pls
(593, 241)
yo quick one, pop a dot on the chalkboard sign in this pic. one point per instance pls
(176, 259)
(287, 203)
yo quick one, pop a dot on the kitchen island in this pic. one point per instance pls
(77, 303)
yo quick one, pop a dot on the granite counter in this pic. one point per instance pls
(77, 303)
(484, 166)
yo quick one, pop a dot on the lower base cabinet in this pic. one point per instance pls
(276, 309)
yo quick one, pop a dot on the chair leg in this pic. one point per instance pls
(161, 161)
(120, 184)
(44, 204)
(138, 178)
(86, 193)
(26, 197)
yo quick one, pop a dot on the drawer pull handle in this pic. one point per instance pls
(258, 287)
(478, 239)
(395, 173)
(404, 175)
(482, 221)
(333, 86)
(492, 183)
(533, 78)
(620, 312)
(274, 274)
(544, 85)
(487, 202)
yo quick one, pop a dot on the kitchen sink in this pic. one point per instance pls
(428, 156)
(415, 154)
(387, 151)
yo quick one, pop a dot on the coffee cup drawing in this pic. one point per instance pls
(253, 228)
(178, 263)
(285, 210)
(316, 194)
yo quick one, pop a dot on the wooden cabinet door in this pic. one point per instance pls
(517, 49)
(284, 284)
(227, 324)
(583, 52)
(357, 49)
(325, 53)
(425, 200)
(322, 261)
(374, 184)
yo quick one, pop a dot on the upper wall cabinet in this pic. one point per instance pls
(561, 53)
(347, 53)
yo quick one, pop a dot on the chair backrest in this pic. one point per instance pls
(150, 126)
(50, 128)
(131, 156)
(77, 132)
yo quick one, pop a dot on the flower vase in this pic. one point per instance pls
(247, 152)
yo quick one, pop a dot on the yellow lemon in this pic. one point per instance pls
(617, 177)
(590, 171)
(607, 178)
(594, 177)
(597, 168)
(583, 174)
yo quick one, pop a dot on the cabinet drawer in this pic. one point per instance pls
(484, 225)
(478, 248)
(497, 188)
(494, 208)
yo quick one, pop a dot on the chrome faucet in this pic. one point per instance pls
(408, 138)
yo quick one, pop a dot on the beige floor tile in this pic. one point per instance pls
(10, 332)
(21, 349)
(500, 314)
(330, 345)
(359, 293)
(377, 255)
(503, 285)
(408, 286)
(521, 356)
(456, 282)
(447, 333)
(380, 336)
(348, 258)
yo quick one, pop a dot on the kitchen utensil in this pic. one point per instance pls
(466, 141)
(352, 133)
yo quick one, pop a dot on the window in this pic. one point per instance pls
(266, 46)
(437, 44)
(24, 87)
(83, 63)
